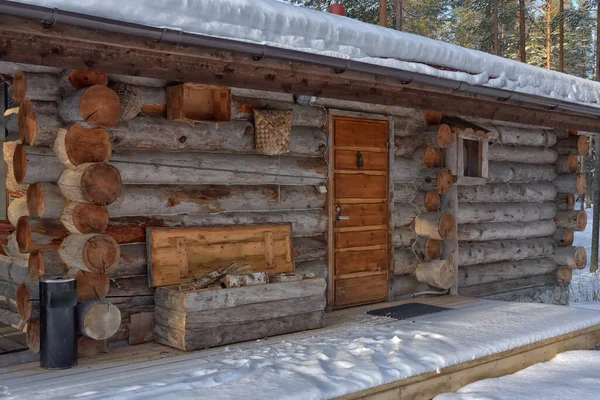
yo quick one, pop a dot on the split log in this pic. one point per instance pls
(565, 201)
(36, 234)
(183, 199)
(435, 179)
(428, 249)
(33, 335)
(572, 183)
(522, 154)
(571, 256)
(427, 201)
(38, 123)
(404, 237)
(13, 189)
(309, 248)
(440, 274)
(317, 268)
(92, 107)
(563, 237)
(93, 253)
(525, 137)
(439, 136)
(481, 274)
(572, 220)
(213, 168)
(504, 250)
(405, 192)
(504, 212)
(256, 278)
(505, 230)
(98, 320)
(84, 218)
(36, 164)
(564, 275)
(243, 109)
(92, 287)
(45, 200)
(16, 209)
(507, 193)
(440, 225)
(404, 215)
(405, 261)
(577, 145)
(27, 306)
(47, 262)
(75, 145)
(95, 183)
(567, 164)
(146, 132)
(32, 86)
(519, 172)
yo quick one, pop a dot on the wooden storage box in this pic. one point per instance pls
(194, 102)
(191, 320)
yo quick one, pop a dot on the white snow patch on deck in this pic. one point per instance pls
(282, 25)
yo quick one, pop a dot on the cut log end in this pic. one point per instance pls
(33, 336)
(80, 78)
(20, 163)
(76, 145)
(580, 258)
(570, 201)
(432, 117)
(433, 157)
(101, 184)
(99, 321)
(440, 274)
(564, 237)
(35, 266)
(24, 302)
(447, 227)
(581, 220)
(100, 107)
(432, 201)
(582, 145)
(444, 181)
(444, 135)
(572, 163)
(101, 254)
(564, 275)
(581, 183)
(27, 122)
(19, 87)
(24, 235)
(84, 218)
(35, 200)
(92, 286)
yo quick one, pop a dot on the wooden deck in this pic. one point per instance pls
(29, 381)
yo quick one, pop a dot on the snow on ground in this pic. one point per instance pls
(282, 25)
(570, 375)
(320, 364)
(585, 286)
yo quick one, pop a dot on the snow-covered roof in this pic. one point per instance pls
(282, 25)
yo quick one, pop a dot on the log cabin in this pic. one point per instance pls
(396, 183)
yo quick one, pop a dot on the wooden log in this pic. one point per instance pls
(130, 286)
(481, 274)
(563, 133)
(573, 220)
(12, 319)
(45, 200)
(75, 79)
(8, 296)
(405, 261)
(428, 249)
(154, 100)
(286, 277)
(565, 201)
(439, 136)
(440, 225)
(427, 201)
(84, 218)
(316, 268)
(95, 183)
(242, 108)
(11, 248)
(504, 250)
(38, 123)
(47, 262)
(519, 172)
(14, 270)
(571, 183)
(404, 215)
(255, 278)
(27, 306)
(98, 320)
(571, 256)
(567, 164)
(75, 145)
(440, 274)
(36, 234)
(87, 347)
(180, 199)
(505, 230)
(507, 193)
(93, 253)
(92, 287)
(405, 192)
(146, 132)
(309, 248)
(132, 229)
(407, 169)
(32, 86)
(518, 136)
(11, 124)
(404, 286)
(17, 209)
(35, 164)
(13, 189)
(435, 179)
(404, 237)
(563, 237)
(504, 212)
(577, 145)
(564, 275)
(92, 107)
(138, 80)
(33, 335)
(522, 154)
(432, 157)
(213, 168)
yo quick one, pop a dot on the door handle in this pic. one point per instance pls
(342, 217)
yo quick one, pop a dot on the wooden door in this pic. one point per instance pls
(360, 211)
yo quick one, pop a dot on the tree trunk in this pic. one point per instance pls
(95, 183)
(35, 164)
(496, 26)
(98, 254)
(576, 145)
(571, 256)
(501, 192)
(16, 209)
(565, 201)
(399, 13)
(505, 230)
(563, 237)
(84, 218)
(383, 13)
(440, 274)
(572, 183)
(405, 261)
(535, 137)
(98, 320)
(38, 123)
(469, 213)
(440, 225)
(45, 200)
(519, 172)
(439, 136)
(561, 37)
(35, 234)
(567, 164)
(404, 237)
(138, 80)
(428, 249)
(548, 34)
(504, 250)
(92, 107)
(522, 37)
(573, 220)
(522, 154)
(75, 145)
(76, 79)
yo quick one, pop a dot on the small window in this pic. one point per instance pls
(472, 158)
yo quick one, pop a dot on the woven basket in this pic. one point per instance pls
(273, 129)
(131, 98)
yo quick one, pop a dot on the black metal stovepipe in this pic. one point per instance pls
(58, 325)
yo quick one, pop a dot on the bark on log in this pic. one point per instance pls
(38, 123)
(428, 249)
(427, 201)
(404, 237)
(572, 220)
(505, 230)
(45, 200)
(504, 250)
(92, 107)
(525, 137)
(440, 274)
(572, 183)
(440, 225)
(404, 215)
(98, 254)
(503, 172)
(435, 179)
(179, 199)
(481, 274)
(564, 275)
(84, 218)
(36, 234)
(47, 262)
(567, 164)
(405, 261)
(36, 164)
(405, 192)
(243, 109)
(565, 201)
(95, 183)
(98, 320)
(16, 209)
(469, 213)
(507, 193)
(212, 168)
(577, 145)
(13, 189)
(439, 136)
(146, 132)
(40, 87)
(571, 256)
(563, 237)
(75, 145)
(522, 154)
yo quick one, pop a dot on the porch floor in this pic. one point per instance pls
(356, 355)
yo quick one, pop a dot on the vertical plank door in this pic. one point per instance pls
(360, 211)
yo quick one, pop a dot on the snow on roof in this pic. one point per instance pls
(283, 25)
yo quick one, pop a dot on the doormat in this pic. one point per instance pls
(406, 311)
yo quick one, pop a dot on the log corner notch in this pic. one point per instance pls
(440, 225)
(438, 179)
(569, 183)
(94, 183)
(76, 145)
(572, 220)
(95, 253)
(577, 145)
(571, 256)
(92, 107)
(439, 274)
